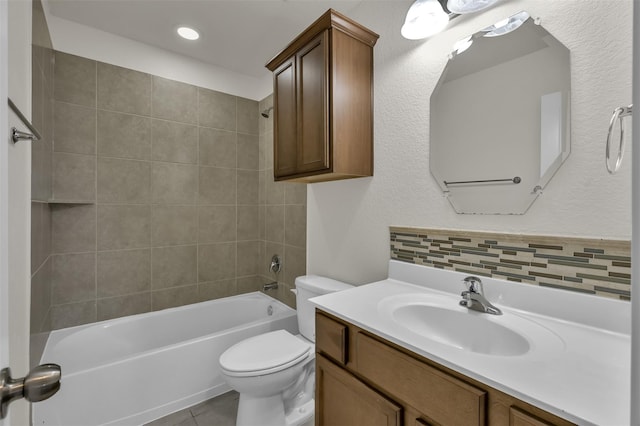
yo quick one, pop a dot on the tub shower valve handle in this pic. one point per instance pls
(276, 264)
(41, 383)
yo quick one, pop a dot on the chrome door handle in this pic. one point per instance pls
(41, 383)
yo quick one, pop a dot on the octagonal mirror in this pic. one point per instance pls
(500, 117)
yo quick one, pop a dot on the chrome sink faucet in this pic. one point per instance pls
(473, 298)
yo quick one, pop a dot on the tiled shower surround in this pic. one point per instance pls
(594, 266)
(163, 195)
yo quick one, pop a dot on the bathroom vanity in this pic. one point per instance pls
(404, 352)
(389, 385)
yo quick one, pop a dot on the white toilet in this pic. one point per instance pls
(275, 372)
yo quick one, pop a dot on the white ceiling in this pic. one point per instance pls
(239, 35)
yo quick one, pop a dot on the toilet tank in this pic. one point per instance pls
(309, 286)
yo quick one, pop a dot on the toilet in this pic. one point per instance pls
(274, 372)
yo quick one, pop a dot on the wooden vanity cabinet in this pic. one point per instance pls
(323, 102)
(364, 380)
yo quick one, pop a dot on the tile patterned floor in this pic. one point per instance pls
(218, 411)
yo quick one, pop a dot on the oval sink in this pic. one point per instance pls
(440, 319)
(464, 330)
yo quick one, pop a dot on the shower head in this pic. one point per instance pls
(265, 113)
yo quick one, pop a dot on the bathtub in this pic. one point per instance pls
(132, 370)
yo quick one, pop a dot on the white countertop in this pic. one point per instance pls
(579, 368)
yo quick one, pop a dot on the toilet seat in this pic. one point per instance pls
(264, 354)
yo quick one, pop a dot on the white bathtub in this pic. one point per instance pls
(131, 370)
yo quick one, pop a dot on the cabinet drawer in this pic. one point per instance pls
(441, 397)
(331, 338)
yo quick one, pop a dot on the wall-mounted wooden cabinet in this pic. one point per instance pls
(362, 379)
(323, 102)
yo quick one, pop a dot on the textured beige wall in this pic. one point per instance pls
(348, 221)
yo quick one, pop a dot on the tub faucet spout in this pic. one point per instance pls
(473, 298)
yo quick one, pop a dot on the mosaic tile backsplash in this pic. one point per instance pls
(594, 266)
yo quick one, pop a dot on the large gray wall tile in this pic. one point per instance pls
(248, 152)
(248, 191)
(124, 135)
(124, 90)
(218, 148)
(123, 226)
(248, 116)
(174, 183)
(174, 266)
(216, 110)
(248, 223)
(75, 79)
(216, 289)
(131, 304)
(217, 186)
(274, 224)
(250, 284)
(216, 224)
(74, 177)
(72, 314)
(295, 228)
(274, 191)
(123, 272)
(177, 296)
(73, 278)
(295, 193)
(40, 296)
(123, 181)
(248, 258)
(296, 263)
(73, 228)
(265, 124)
(74, 128)
(174, 142)
(39, 250)
(175, 101)
(216, 262)
(173, 225)
(41, 171)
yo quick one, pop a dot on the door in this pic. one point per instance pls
(15, 195)
(312, 62)
(285, 140)
(4, 130)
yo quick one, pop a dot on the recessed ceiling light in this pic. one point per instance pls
(188, 33)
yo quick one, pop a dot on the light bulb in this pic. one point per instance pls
(188, 33)
(506, 25)
(424, 18)
(461, 7)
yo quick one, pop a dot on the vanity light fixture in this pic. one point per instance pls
(461, 7)
(188, 33)
(506, 25)
(424, 18)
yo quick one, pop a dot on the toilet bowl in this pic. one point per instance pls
(274, 372)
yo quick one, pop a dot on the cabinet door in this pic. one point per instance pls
(341, 400)
(518, 417)
(312, 63)
(285, 152)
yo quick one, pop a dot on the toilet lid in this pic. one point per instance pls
(265, 353)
